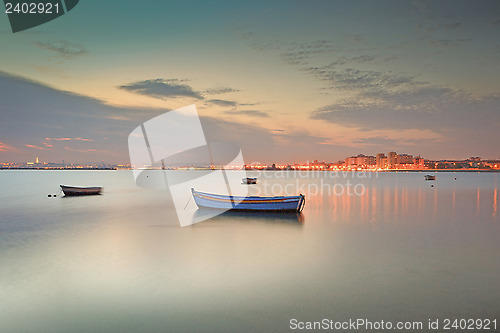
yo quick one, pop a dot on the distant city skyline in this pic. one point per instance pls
(392, 162)
(286, 81)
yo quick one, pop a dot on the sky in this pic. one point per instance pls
(288, 81)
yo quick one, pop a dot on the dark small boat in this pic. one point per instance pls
(253, 203)
(71, 191)
(249, 181)
(430, 177)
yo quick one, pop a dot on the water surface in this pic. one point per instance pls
(119, 262)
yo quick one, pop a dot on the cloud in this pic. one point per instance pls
(434, 108)
(375, 141)
(355, 79)
(36, 147)
(84, 150)
(450, 26)
(5, 147)
(53, 114)
(62, 48)
(36, 116)
(162, 88)
(68, 139)
(299, 54)
(221, 102)
(218, 91)
(448, 42)
(342, 61)
(251, 113)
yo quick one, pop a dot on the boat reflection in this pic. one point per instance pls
(292, 218)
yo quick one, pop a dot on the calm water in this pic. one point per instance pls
(397, 250)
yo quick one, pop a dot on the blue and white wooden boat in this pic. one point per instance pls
(229, 202)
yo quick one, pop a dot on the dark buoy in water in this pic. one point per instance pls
(49, 195)
(455, 178)
(432, 185)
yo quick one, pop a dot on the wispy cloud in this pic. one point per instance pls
(355, 79)
(36, 147)
(62, 48)
(299, 54)
(435, 108)
(162, 88)
(219, 91)
(450, 26)
(448, 42)
(251, 113)
(68, 139)
(85, 150)
(222, 102)
(5, 147)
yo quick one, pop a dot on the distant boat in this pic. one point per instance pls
(249, 181)
(251, 203)
(71, 191)
(430, 177)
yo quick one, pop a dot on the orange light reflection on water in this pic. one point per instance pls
(495, 203)
(398, 204)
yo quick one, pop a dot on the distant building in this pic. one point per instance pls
(419, 162)
(392, 159)
(381, 161)
(360, 160)
(351, 161)
(365, 160)
(404, 159)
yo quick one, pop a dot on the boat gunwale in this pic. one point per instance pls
(242, 198)
(80, 188)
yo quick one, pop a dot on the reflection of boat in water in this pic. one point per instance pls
(430, 177)
(71, 191)
(251, 203)
(249, 181)
(285, 217)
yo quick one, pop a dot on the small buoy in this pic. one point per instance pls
(432, 185)
(49, 195)
(455, 178)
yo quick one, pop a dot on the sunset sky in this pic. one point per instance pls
(289, 81)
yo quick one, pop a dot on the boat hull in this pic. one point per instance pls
(249, 181)
(71, 191)
(269, 204)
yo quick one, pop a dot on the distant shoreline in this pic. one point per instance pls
(275, 170)
(59, 169)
